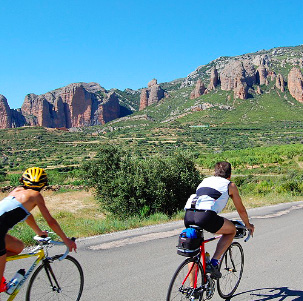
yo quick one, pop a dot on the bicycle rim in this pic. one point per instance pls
(231, 268)
(56, 280)
(181, 285)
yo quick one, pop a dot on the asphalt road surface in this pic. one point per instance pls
(138, 264)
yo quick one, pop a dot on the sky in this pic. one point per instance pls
(123, 44)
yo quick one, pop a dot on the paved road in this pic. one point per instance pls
(138, 264)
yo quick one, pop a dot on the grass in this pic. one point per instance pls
(79, 216)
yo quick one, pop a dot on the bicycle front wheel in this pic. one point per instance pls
(56, 280)
(187, 282)
(231, 268)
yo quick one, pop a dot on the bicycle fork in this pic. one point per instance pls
(51, 276)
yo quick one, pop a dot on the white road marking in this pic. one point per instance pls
(137, 239)
(280, 213)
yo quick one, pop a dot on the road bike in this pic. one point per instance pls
(58, 277)
(192, 282)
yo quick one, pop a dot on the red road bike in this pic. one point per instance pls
(192, 282)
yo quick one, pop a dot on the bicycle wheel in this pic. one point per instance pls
(56, 280)
(231, 267)
(182, 283)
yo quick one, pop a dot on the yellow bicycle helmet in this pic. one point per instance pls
(34, 178)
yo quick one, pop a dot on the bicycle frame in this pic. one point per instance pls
(201, 256)
(40, 254)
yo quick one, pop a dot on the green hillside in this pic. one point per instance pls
(209, 124)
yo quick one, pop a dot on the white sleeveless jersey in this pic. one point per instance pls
(212, 194)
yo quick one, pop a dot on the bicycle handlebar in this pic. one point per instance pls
(48, 241)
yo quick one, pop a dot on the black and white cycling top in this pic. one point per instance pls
(211, 194)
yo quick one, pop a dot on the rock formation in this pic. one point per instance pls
(75, 105)
(261, 75)
(214, 79)
(238, 76)
(108, 111)
(295, 84)
(5, 113)
(199, 90)
(240, 88)
(280, 83)
(153, 94)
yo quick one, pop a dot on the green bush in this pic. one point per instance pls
(2, 174)
(14, 179)
(128, 186)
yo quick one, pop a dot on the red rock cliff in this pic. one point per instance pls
(5, 113)
(295, 84)
(75, 105)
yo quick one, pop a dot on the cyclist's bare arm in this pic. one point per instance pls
(234, 194)
(54, 224)
(32, 223)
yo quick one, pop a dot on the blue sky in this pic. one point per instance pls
(46, 45)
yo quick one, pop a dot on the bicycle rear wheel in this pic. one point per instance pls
(182, 283)
(231, 267)
(56, 280)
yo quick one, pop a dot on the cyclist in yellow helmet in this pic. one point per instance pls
(16, 207)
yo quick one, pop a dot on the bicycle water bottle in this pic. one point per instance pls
(15, 281)
(207, 257)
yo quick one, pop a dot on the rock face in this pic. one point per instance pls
(199, 90)
(153, 94)
(240, 88)
(261, 75)
(280, 83)
(295, 84)
(238, 76)
(5, 113)
(214, 79)
(75, 105)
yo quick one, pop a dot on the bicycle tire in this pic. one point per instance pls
(56, 280)
(178, 291)
(231, 268)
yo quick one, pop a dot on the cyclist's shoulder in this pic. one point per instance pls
(26, 195)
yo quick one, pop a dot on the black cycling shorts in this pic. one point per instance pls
(206, 219)
(7, 221)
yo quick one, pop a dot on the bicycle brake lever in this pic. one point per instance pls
(248, 236)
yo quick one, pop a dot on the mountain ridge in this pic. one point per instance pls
(241, 77)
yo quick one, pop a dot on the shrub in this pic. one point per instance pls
(14, 179)
(128, 186)
(2, 174)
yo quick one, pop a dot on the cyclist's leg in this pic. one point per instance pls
(228, 231)
(13, 245)
(2, 259)
(189, 219)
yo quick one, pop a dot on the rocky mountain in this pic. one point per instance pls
(85, 104)
(76, 105)
(153, 94)
(247, 74)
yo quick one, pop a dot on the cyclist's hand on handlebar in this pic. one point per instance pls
(43, 234)
(70, 243)
(251, 228)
